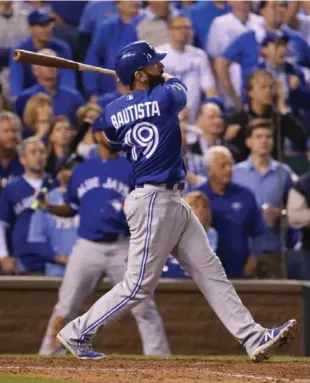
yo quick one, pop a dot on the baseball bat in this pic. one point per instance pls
(49, 180)
(28, 57)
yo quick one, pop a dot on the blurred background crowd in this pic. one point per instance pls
(245, 130)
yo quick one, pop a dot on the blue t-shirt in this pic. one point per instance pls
(59, 232)
(202, 14)
(108, 39)
(237, 219)
(15, 201)
(145, 124)
(14, 169)
(97, 189)
(21, 75)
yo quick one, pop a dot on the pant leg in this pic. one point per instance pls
(156, 222)
(83, 272)
(149, 322)
(202, 264)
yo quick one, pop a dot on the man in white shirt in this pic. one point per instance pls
(191, 65)
(224, 29)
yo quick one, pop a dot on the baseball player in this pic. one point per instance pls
(97, 189)
(145, 122)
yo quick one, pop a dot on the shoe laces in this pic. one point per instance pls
(85, 346)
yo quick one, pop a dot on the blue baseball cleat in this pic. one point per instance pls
(274, 338)
(80, 351)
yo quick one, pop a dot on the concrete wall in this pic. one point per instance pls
(192, 327)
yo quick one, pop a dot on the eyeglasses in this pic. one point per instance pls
(180, 27)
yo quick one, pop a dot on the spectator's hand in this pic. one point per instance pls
(280, 96)
(61, 259)
(8, 265)
(42, 128)
(231, 131)
(271, 215)
(293, 82)
(250, 266)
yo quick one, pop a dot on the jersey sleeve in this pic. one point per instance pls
(178, 94)
(6, 207)
(108, 130)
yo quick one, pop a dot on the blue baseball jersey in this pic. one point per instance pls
(97, 189)
(59, 232)
(145, 123)
(15, 212)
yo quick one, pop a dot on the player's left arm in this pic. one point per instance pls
(177, 92)
(108, 132)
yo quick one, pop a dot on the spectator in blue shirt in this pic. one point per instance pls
(65, 100)
(15, 214)
(41, 29)
(245, 49)
(58, 232)
(270, 181)
(10, 138)
(274, 52)
(235, 215)
(202, 14)
(111, 35)
(94, 14)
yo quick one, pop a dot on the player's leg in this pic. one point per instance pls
(202, 264)
(149, 322)
(156, 223)
(83, 272)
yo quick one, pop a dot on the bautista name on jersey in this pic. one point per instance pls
(135, 112)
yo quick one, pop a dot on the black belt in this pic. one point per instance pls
(177, 186)
(108, 238)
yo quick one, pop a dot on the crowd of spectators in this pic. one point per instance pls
(245, 130)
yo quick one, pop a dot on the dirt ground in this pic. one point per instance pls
(117, 370)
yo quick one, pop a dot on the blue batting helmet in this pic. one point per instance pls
(133, 57)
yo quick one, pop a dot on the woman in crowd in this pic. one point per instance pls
(38, 116)
(60, 136)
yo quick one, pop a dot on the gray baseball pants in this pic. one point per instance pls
(160, 223)
(88, 264)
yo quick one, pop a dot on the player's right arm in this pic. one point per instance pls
(6, 218)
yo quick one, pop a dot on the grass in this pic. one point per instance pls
(24, 379)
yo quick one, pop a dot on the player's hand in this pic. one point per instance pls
(61, 259)
(8, 265)
(250, 266)
(167, 76)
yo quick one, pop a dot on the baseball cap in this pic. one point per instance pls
(274, 37)
(39, 16)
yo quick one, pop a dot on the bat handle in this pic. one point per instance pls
(36, 204)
